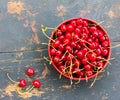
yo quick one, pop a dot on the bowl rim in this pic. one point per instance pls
(90, 20)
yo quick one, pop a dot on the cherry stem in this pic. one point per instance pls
(94, 80)
(97, 24)
(43, 31)
(48, 44)
(30, 89)
(78, 81)
(46, 58)
(118, 45)
(10, 78)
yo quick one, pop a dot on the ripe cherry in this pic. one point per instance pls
(98, 51)
(66, 41)
(22, 83)
(36, 83)
(95, 33)
(73, 23)
(105, 43)
(68, 48)
(100, 64)
(92, 46)
(70, 28)
(73, 44)
(85, 23)
(100, 33)
(92, 57)
(77, 31)
(76, 62)
(61, 47)
(68, 35)
(79, 21)
(80, 54)
(78, 72)
(85, 60)
(87, 67)
(85, 50)
(61, 37)
(52, 51)
(59, 33)
(85, 30)
(58, 53)
(102, 38)
(69, 57)
(56, 43)
(105, 52)
(92, 29)
(61, 68)
(55, 59)
(89, 73)
(30, 71)
(63, 28)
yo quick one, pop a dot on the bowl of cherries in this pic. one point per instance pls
(79, 48)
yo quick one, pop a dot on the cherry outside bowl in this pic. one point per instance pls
(91, 21)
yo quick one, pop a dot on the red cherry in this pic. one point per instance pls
(66, 41)
(89, 73)
(85, 61)
(84, 36)
(58, 53)
(77, 31)
(85, 23)
(102, 38)
(70, 28)
(105, 43)
(55, 59)
(73, 44)
(98, 51)
(85, 50)
(78, 46)
(68, 48)
(100, 33)
(63, 28)
(105, 52)
(76, 37)
(30, 71)
(36, 83)
(80, 54)
(94, 63)
(59, 33)
(78, 72)
(79, 21)
(76, 63)
(85, 30)
(87, 67)
(95, 33)
(90, 40)
(100, 64)
(22, 83)
(61, 37)
(56, 43)
(73, 23)
(52, 51)
(92, 29)
(61, 47)
(92, 46)
(61, 68)
(68, 35)
(92, 57)
(75, 51)
(69, 57)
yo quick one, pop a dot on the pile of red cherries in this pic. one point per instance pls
(79, 48)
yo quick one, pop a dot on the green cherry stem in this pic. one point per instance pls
(10, 78)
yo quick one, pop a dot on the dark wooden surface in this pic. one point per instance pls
(20, 47)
